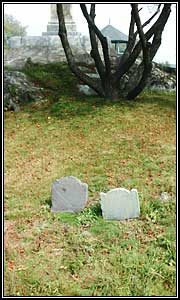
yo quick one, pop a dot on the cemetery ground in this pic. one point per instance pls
(106, 144)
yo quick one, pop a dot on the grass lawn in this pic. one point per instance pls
(129, 144)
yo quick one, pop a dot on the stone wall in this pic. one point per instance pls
(48, 48)
(42, 49)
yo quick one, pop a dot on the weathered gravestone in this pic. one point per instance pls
(68, 194)
(120, 204)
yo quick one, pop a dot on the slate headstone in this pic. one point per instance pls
(120, 204)
(68, 194)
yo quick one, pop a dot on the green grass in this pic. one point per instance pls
(105, 144)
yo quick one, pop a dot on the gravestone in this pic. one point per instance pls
(68, 194)
(120, 204)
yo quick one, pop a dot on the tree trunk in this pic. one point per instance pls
(111, 82)
(70, 58)
(111, 90)
(142, 83)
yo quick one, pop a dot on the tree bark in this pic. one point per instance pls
(70, 58)
(158, 25)
(147, 62)
(102, 39)
(108, 86)
(95, 51)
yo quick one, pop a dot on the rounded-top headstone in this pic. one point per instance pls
(120, 204)
(68, 194)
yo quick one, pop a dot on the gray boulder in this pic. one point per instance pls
(162, 79)
(19, 90)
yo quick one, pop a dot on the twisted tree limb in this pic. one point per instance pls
(70, 58)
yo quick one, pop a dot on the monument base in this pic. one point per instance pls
(53, 28)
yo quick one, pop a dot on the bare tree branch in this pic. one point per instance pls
(147, 63)
(151, 50)
(133, 35)
(70, 58)
(139, 26)
(95, 51)
(131, 42)
(149, 20)
(160, 22)
(109, 85)
(159, 29)
(102, 39)
(152, 17)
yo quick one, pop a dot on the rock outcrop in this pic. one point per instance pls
(19, 90)
(161, 79)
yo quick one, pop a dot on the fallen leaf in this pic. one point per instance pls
(11, 265)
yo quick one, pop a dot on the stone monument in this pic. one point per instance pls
(53, 24)
(46, 48)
